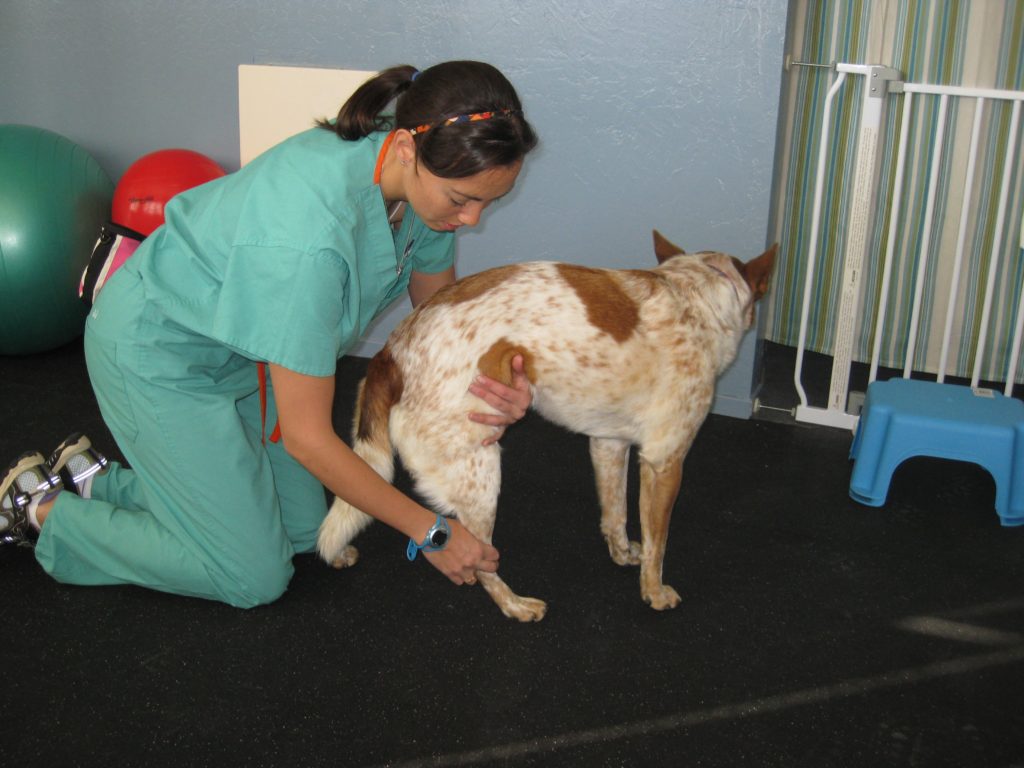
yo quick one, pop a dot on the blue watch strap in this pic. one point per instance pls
(427, 545)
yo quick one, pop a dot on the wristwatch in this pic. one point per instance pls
(435, 540)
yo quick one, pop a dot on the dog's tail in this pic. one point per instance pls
(371, 441)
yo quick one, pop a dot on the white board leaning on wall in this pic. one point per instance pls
(275, 102)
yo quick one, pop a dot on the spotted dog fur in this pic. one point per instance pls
(628, 357)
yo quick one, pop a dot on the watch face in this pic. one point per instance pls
(439, 538)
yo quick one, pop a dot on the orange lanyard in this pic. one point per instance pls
(380, 157)
(261, 376)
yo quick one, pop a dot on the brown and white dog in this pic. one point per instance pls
(628, 357)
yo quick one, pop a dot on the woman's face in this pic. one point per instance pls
(448, 204)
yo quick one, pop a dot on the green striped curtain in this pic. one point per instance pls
(978, 43)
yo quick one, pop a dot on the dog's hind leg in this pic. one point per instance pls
(512, 605)
(611, 464)
(378, 393)
(341, 525)
(344, 522)
(466, 483)
(659, 487)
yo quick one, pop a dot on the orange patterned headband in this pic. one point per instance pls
(471, 118)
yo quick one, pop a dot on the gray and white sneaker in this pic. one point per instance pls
(75, 461)
(27, 478)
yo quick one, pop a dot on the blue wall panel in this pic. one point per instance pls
(659, 114)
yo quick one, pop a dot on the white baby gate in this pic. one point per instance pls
(881, 83)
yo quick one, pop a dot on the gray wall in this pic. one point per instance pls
(657, 114)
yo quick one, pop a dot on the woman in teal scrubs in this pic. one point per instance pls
(285, 262)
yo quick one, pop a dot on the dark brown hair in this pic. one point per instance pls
(432, 96)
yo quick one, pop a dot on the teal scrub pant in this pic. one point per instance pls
(207, 509)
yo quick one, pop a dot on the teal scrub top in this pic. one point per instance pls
(289, 259)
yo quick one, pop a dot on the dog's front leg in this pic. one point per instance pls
(659, 487)
(611, 463)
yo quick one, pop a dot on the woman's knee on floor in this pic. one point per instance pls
(257, 583)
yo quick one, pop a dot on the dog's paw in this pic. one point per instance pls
(348, 556)
(524, 608)
(625, 555)
(663, 598)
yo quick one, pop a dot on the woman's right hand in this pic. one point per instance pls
(464, 555)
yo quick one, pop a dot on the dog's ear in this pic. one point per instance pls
(757, 272)
(663, 249)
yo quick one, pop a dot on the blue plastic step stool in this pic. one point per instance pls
(903, 418)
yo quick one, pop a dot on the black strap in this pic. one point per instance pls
(109, 232)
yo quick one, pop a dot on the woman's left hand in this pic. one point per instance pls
(511, 401)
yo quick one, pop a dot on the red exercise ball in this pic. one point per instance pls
(152, 180)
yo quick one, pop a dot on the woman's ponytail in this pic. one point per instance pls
(362, 114)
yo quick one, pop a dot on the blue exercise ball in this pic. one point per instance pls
(53, 199)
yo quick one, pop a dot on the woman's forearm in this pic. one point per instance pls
(304, 405)
(347, 476)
